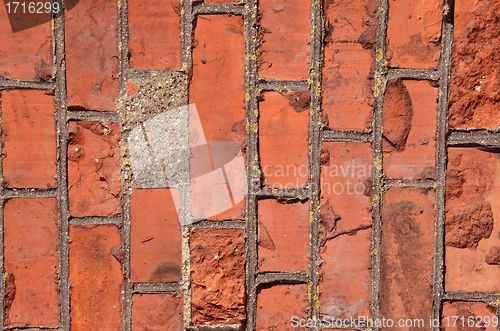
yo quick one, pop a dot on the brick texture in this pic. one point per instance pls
(156, 312)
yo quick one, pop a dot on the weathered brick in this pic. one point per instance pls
(407, 253)
(409, 129)
(30, 255)
(219, 298)
(91, 32)
(285, 37)
(154, 34)
(29, 138)
(156, 312)
(474, 91)
(414, 33)
(344, 233)
(348, 63)
(93, 168)
(155, 243)
(472, 228)
(277, 305)
(25, 54)
(283, 141)
(283, 236)
(462, 315)
(95, 277)
(217, 89)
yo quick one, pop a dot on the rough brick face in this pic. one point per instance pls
(95, 277)
(30, 255)
(344, 230)
(217, 299)
(277, 304)
(28, 124)
(154, 34)
(283, 236)
(91, 31)
(348, 63)
(25, 54)
(413, 33)
(407, 250)
(474, 91)
(283, 139)
(472, 225)
(156, 312)
(284, 49)
(461, 315)
(155, 236)
(93, 168)
(409, 121)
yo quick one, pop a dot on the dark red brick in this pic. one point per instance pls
(156, 312)
(283, 236)
(29, 137)
(154, 34)
(95, 277)
(285, 31)
(283, 141)
(30, 255)
(94, 169)
(155, 243)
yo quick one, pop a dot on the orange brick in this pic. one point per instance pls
(29, 136)
(156, 312)
(462, 315)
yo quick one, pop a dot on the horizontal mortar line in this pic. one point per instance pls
(300, 193)
(403, 73)
(221, 327)
(29, 193)
(92, 115)
(298, 277)
(346, 136)
(26, 84)
(147, 74)
(283, 85)
(474, 138)
(226, 8)
(419, 183)
(155, 287)
(227, 224)
(111, 220)
(475, 296)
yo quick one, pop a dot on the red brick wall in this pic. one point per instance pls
(352, 144)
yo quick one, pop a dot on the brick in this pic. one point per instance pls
(471, 228)
(30, 255)
(218, 299)
(26, 53)
(154, 34)
(91, 32)
(348, 63)
(29, 137)
(94, 168)
(285, 39)
(474, 92)
(156, 312)
(344, 231)
(95, 277)
(283, 140)
(414, 33)
(283, 236)
(216, 88)
(409, 129)
(461, 315)
(155, 243)
(407, 253)
(277, 305)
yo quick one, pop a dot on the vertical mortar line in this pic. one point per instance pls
(380, 80)
(441, 156)
(62, 181)
(126, 288)
(316, 62)
(252, 156)
(186, 58)
(2, 200)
